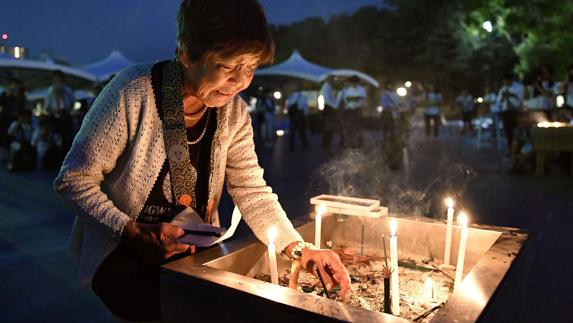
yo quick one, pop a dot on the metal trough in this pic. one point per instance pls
(216, 285)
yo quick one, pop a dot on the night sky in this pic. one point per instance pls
(143, 30)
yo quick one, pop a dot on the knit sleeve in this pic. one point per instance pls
(256, 201)
(94, 152)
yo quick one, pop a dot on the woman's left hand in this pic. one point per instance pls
(331, 268)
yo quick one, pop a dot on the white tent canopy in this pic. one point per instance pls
(108, 66)
(297, 67)
(349, 72)
(35, 74)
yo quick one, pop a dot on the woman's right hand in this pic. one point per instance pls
(154, 243)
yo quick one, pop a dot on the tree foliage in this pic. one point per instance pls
(440, 41)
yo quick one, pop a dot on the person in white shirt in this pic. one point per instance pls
(510, 101)
(389, 104)
(465, 103)
(266, 107)
(353, 101)
(297, 104)
(492, 107)
(544, 91)
(490, 100)
(329, 114)
(432, 111)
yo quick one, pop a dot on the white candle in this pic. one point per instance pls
(462, 250)
(320, 210)
(272, 255)
(395, 286)
(448, 247)
(428, 289)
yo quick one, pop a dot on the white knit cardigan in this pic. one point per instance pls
(116, 157)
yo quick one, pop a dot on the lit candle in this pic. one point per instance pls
(428, 289)
(448, 247)
(462, 250)
(318, 224)
(395, 288)
(273, 256)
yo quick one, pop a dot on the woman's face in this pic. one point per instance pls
(216, 82)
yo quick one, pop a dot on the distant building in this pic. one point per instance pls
(18, 52)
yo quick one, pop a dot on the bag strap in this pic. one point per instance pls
(183, 175)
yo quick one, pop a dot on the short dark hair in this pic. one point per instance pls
(224, 28)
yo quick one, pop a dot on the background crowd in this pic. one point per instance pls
(38, 134)
(504, 113)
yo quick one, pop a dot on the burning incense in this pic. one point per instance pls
(386, 272)
(387, 308)
(394, 267)
(385, 255)
(322, 282)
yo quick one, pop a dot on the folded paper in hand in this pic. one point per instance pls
(199, 233)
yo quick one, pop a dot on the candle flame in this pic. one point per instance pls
(449, 202)
(272, 234)
(393, 227)
(320, 210)
(463, 219)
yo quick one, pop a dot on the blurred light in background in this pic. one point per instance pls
(401, 91)
(480, 100)
(408, 84)
(487, 26)
(37, 109)
(17, 52)
(560, 101)
(252, 106)
(320, 102)
(278, 95)
(4, 36)
(379, 109)
(280, 133)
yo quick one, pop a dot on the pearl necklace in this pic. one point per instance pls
(204, 129)
(196, 116)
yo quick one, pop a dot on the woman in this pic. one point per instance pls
(161, 138)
